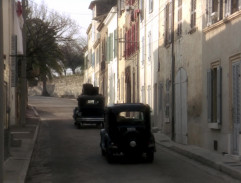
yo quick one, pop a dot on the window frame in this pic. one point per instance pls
(214, 110)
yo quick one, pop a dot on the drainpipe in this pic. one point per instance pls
(117, 59)
(173, 72)
(1, 94)
(23, 87)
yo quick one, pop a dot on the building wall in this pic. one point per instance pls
(188, 56)
(111, 24)
(222, 45)
(121, 59)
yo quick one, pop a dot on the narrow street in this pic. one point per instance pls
(65, 154)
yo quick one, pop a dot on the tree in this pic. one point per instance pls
(42, 51)
(46, 32)
(73, 55)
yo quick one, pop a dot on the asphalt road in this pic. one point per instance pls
(65, 154)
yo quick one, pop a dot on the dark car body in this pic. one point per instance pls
(90, 110)
(127, 131)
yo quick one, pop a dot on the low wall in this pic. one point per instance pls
(68, 86)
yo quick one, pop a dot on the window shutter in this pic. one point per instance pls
(125, 52)
(193, 14)
(14, 61)
(137, 36)
(115, 43)
(209, 12)
(108, 50)
(219, 94)
(111, 46)
(143, 50)
(170, 23)
(227, 7)
(209, 94)
(166, 22)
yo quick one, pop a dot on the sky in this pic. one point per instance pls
(78, 10)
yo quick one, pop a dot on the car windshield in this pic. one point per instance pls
(130, 116)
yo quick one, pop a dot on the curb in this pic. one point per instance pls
(34, 141)
(234, 173)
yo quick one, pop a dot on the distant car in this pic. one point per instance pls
(127, 131)
(90, 110)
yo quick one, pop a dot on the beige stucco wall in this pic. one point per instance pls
(188, 55)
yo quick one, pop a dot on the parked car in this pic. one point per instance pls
(90, 109)
(127, 131)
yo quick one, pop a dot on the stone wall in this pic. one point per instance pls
(67, 86)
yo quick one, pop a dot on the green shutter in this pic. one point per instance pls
(209, 94)
(115, 43)
(108, 50)
(111, 46)
(219, 94)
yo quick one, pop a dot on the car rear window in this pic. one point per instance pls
(130, 116)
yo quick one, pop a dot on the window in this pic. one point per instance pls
(115, 43)
(143, 50)
(214, 81)
(234, 6)
(193, 14)
(120, 43)
(179, 27)
(143, 94)
(160, 96)
(149, 95)
(168, 23)
(215, 11)
(111, 46)
(150, 6)
(93, 59)
(141, 9)
(149, 46)
(97, 55)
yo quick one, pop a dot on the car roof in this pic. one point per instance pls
(128, 107)
(86, 97)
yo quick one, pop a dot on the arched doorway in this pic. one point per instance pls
(181, 106)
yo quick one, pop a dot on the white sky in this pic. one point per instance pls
(78, 10)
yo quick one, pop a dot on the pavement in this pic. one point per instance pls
(24, 138)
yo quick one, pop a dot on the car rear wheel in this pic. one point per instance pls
(109, 157)
(149, 157)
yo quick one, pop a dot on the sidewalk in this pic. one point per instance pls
(21, 148)
(228, 164)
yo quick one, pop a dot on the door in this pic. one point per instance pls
(236, 106)
(181, 107)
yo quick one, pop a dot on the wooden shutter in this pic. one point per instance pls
(179, 29)
(193, 14)
(108, 49)
(209, 94)
(137, 36)
(125, 52)
(111, 46)
(115, 43)
(219, 94)
(14, 64)
(143, 50)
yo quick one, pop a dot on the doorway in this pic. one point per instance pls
(181, 107)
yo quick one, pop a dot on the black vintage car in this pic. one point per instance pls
(127, 131)
(90, 109)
